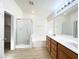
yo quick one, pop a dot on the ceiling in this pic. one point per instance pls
(40, 7)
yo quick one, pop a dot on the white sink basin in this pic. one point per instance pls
(74, 45)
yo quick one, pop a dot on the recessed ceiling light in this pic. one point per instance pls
(33, 11)
(64, 14)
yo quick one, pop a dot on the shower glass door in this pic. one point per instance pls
(24, 31)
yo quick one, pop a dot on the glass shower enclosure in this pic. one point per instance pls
(24, 32)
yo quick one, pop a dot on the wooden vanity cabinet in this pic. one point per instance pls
(48, 43)
(58, 51)
(53, 49)
(65, 53)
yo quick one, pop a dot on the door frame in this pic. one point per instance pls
(12, 40)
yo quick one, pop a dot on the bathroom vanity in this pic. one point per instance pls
(62, 48)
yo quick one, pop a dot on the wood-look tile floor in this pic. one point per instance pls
(30, 53)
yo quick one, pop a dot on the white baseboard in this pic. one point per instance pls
(23, 46)
(35, 44)
(39, 44)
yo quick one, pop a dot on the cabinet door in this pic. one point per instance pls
(62, 55)
(53, 49)
(65, 53)
(48, 43)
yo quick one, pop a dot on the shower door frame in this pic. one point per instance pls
(25, 45)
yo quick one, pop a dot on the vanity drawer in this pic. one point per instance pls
(53, 42)
(53, 47)
(48, 43)
(53, 56)
(48, 38)
(53, 52)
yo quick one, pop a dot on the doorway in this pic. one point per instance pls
(7, 32)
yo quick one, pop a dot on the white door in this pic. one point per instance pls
(1, 30)
(24, 31)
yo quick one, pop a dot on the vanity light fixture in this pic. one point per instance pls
(69, 3)
(62, 8)
(73, 0)
(31, 2)
(65, 5)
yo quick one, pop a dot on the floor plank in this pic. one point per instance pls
(29, 53)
